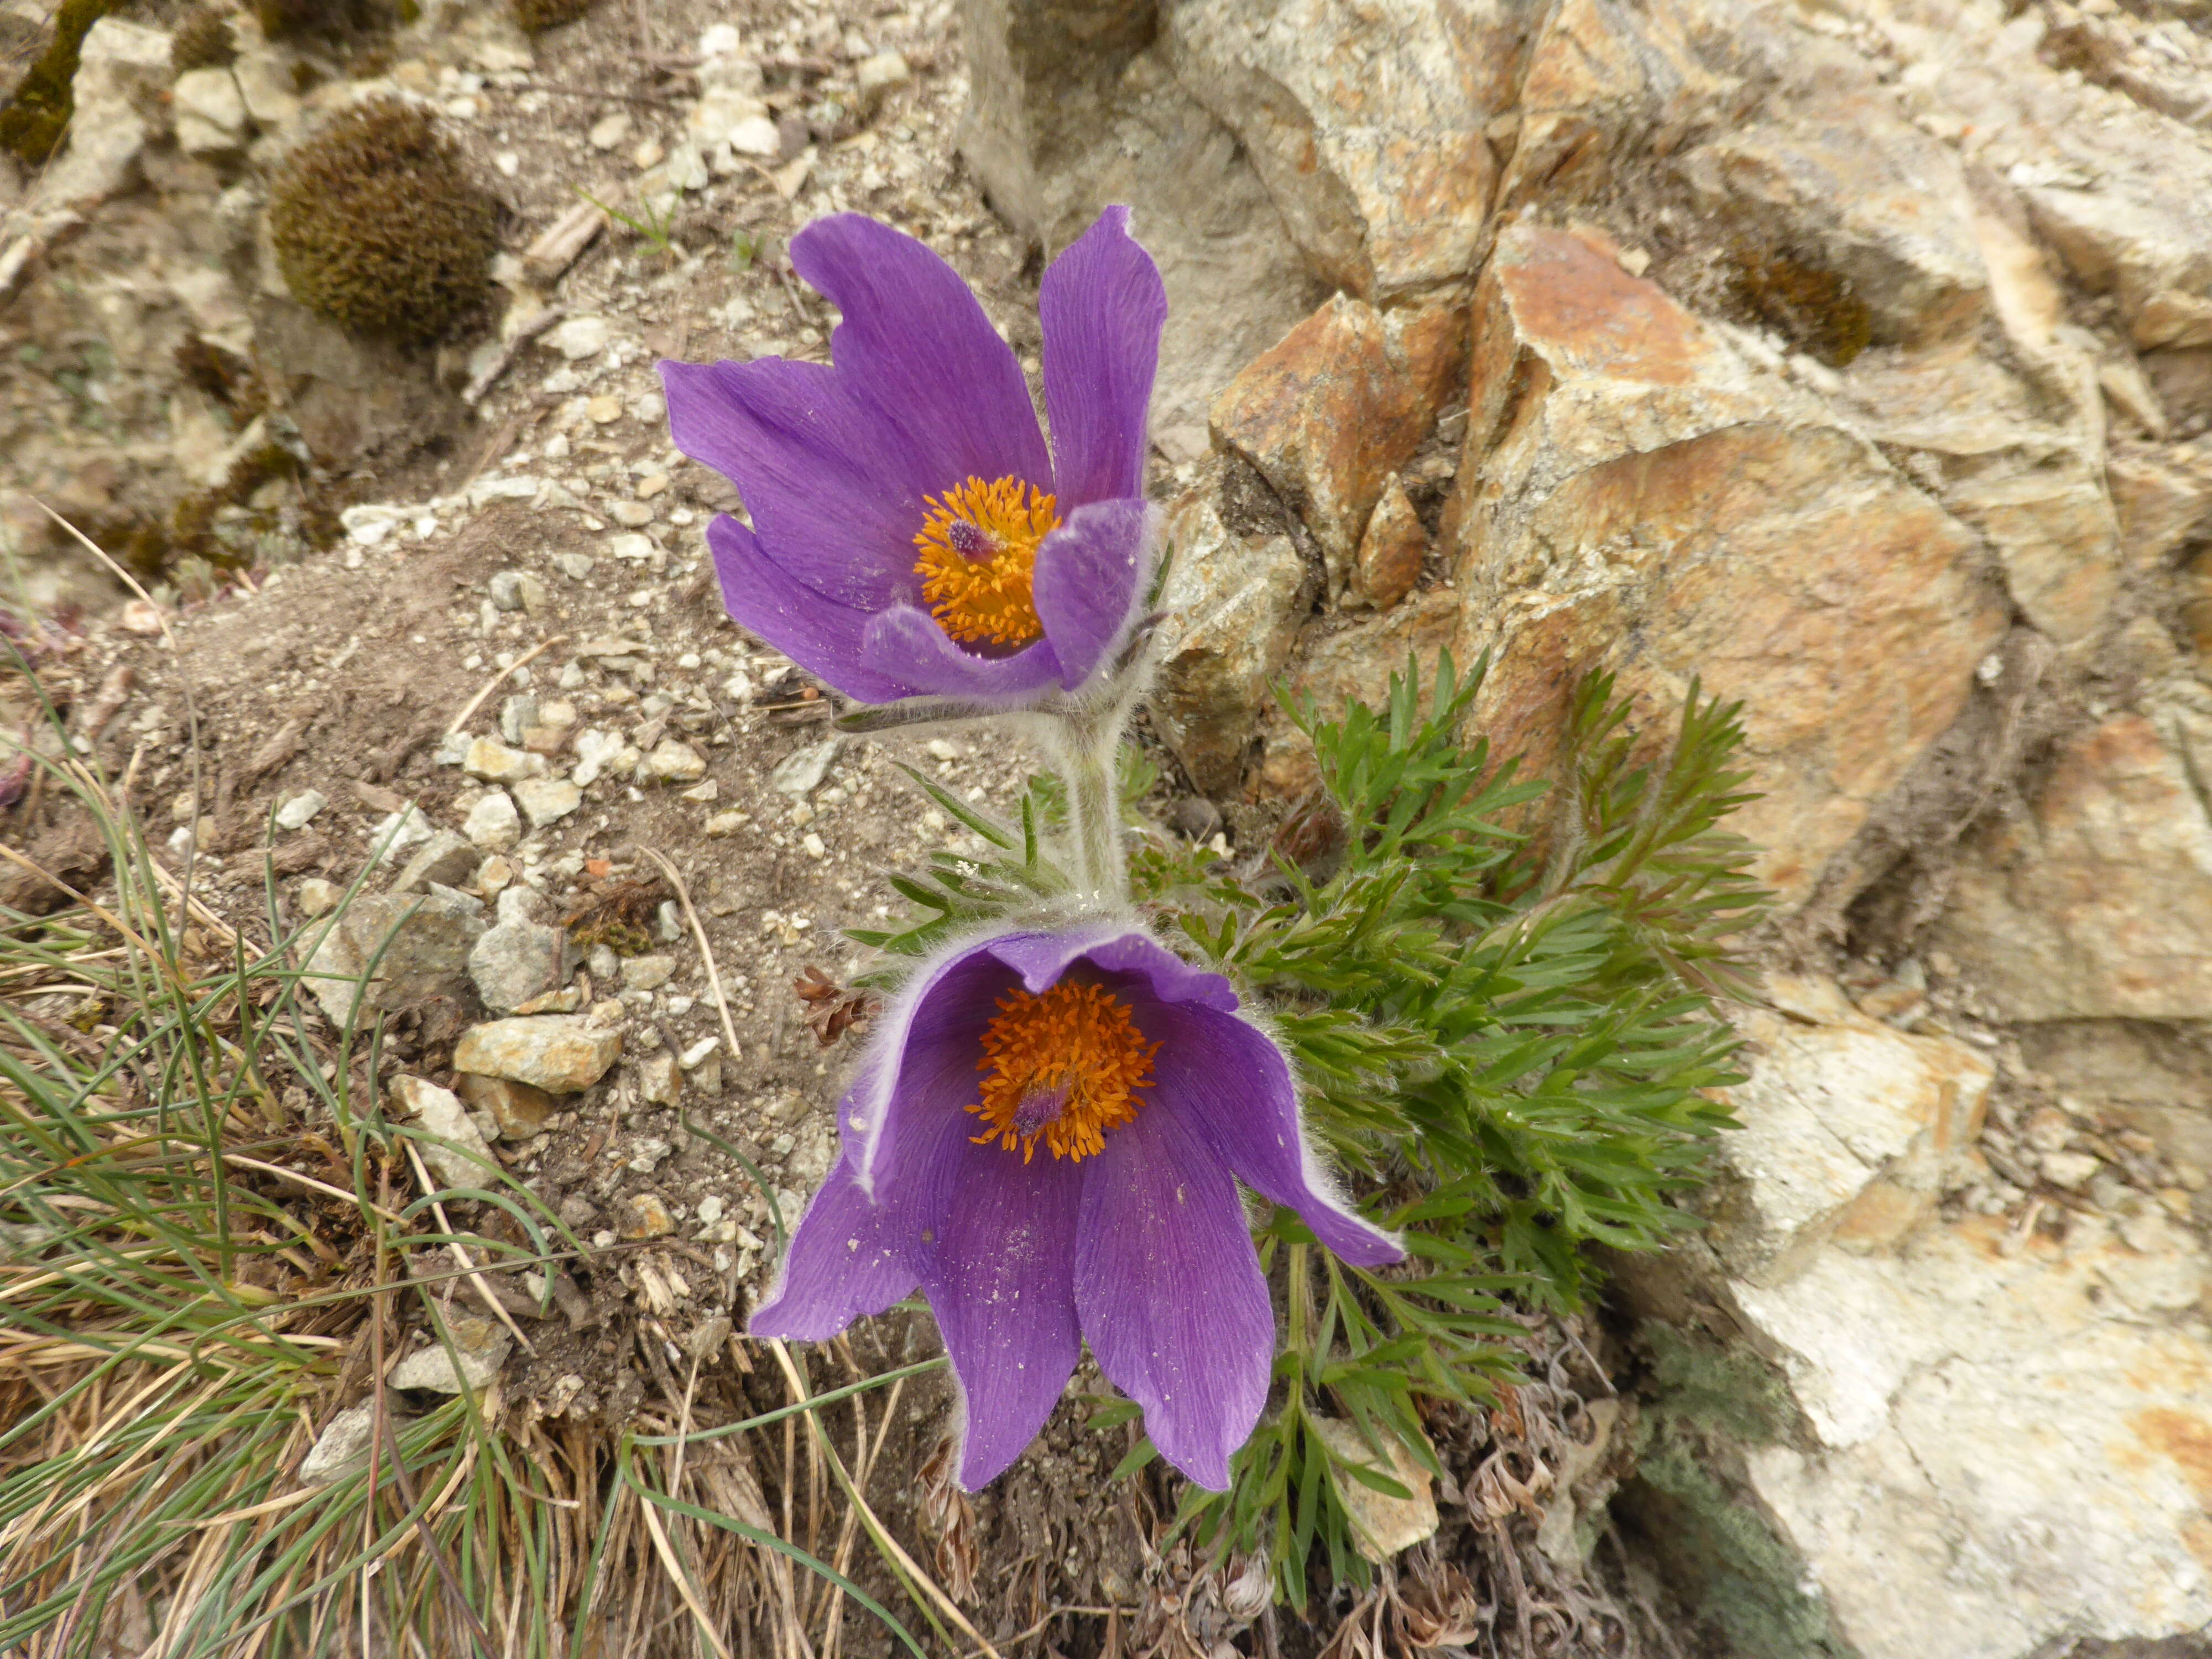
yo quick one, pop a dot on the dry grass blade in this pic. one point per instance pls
(171, 1350)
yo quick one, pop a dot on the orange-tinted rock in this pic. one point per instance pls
(1853, 190)
(1326, 416)
(1637, 497)
(1391, 551)
(1233, 601)
(1599, 75)
(1365, 123)
(2034, 490)
(2100, 906)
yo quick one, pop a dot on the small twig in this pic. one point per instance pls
(461, 1255)
(488, 375)
(493, 684)
(705, 952)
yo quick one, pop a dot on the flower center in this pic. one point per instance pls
(1061, 1068)
(978, 548)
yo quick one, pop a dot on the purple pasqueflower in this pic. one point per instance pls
(910, 536)
(1120, 1098)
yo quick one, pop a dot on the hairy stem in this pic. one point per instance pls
(1088, 748)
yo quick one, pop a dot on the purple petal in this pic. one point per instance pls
(1042, 958)
(832, 486)
(1231, 1084)
(920, 1066)
(1090, 574)
(1000, 1280)
(822, 637)
(916, 345)
(841, 1264)
(1101, 307)
(906, 644)
(1170, 1292)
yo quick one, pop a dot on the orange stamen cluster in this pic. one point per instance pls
(1061, 1068)
(978, 552)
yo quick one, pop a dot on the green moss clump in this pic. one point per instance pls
(1818, 310)
(536, 16)
(378, 227)
(32, 123)
(203, 40)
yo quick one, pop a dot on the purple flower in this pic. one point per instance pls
(910, 536)
(1046, 1135)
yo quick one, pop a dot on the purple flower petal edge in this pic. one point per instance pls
(1101, 307)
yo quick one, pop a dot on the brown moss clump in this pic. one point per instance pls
(378, 227)
(203, 40)
(280, 18)
(33, 120)
(1816, 310)
(536, 16)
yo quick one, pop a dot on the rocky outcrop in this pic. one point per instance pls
(1857, 364)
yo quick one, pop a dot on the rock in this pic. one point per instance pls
(609, 131)
(1072, 106)
(445, 861)
(645, 1216)
(517, 590)
(660, 1080)
(299, 810)
(441, 1113)
(1233, 601)
(519, 1110)
(396, 833)
(2154, 261)
(874, 78)
(1607, 83)
(518, 961)
(647, 973)
(1390, 551)
(800, 773)
(413, 947)
(2161, 506)
(2035, 491)
(1635, 495)
(578, 338)
(675, 762)
(1382, 1525)
(493, 823)
(342, 1449)
(264, 78)
(2154, 1077)
(599, 753)
(1367, 126)
(1328, 416)
(2003, 1442)
(495, 763)
(724, 823)
(547, 801)
(122, 70)
(479, 1349)
(209, 113)
(318, 898)
(1848, 1128)
(2098, 904)
(561, 1054)
(1852, 191)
